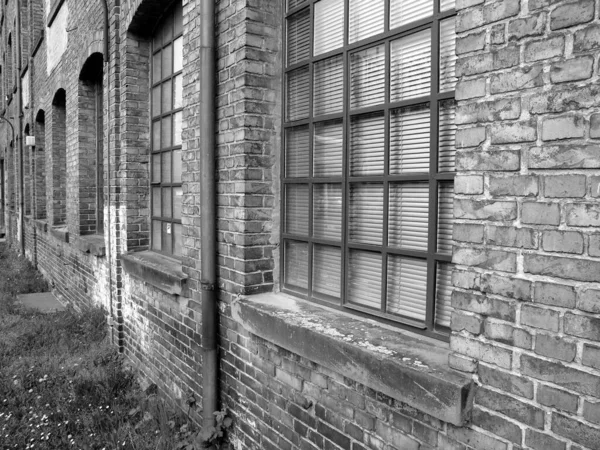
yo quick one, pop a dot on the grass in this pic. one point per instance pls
(63, 386)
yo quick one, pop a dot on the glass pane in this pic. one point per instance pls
(166, 167)
(156, 208)
(176, 166)
(296, 209)
(156, 167)
(177, 202)
(367, 144)
(329, 26)
(443, 294)
(178, 92)
(327, 264)
(411, 66)
(178, 54)
(167, 28)
(447, 137)
(156, 235)
(167, 61)
(327, 149)
(407, 287)
(364, 278)
(156, 101)
(293, 3)
(409, 216)
(366, 213)
(166, 202)
(177, 239)
(410, 139)
(167, 238)
(296, 152)
(166, 132)
(445, 217)
(178, 19)
(327, 213)
(298, 88)
(366, 18)
(296, 264)
(177, 128)
(167, 96)
(407, 11)
(156, 135)
(367, 77)
(447, 55)
(329, 86)
(298, 37)
(156, 67)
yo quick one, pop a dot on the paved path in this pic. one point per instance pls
(42, 301)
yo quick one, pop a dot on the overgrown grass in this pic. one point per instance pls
(63, 386)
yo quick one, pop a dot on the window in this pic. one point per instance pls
(166, 113)
(58, 144)
(368, 157)
(27, 173)
(39, 161)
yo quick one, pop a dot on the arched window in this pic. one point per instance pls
(39, 158)
(59, 158)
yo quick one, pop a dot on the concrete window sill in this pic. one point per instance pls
(404, 366)
(41, 225)
(160, 271)
(60, 233)
(92, 244)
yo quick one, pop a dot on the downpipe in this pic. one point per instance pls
(19, 141)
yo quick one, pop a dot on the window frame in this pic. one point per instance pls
(433, 177)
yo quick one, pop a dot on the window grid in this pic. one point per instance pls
(311, 244)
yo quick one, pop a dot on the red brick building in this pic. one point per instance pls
(354, 224)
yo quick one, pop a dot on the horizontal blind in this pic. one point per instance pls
(367, 144)
(446, 5)
(293, 3)
(447, 55)
(327, 266)
(364, 278)
(298, 37)
(410, 139)
(445, 217)
(328, 149)
(297, 152)
(296, 209)
(328, 90)
(407, 287)
(366, 19)
(327, 205)
(407, 11)
(366, 213)
(329, 26)
(367, 77)
(296, 264)
(298, 91)
(411, 66)
(447, 136)
(409, 216)
(443, 294)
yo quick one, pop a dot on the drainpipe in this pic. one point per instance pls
(19, 141)
(208, 235)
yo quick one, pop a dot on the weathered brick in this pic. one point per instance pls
(589, 300)
(575, 430)
(467, 322)
(536, 317)
(500, 10)
(574, 69)
(497, 425)
(565, 157)
(513, 133)
(594, 245)
(554, 294)
(490, 111)
(595, 186)
(591, 356)
(501, 160)
(496, 59)
(468, 184)
(466, 89)
(556, 398)
(510, 407)
(445, 443)
(562, 241)
(595, 126)
(561, 267)
(465, 279)
(481, 351)
(513, 185)
(462, 363)
(587, 38)
(481, 304)
(392, 435)
(511, 237)
(465, 232)
(591, 411)
(498, 34)
(544, 49)
(540, 441)
(562, 99)
(560, 186)
(539, 213)
(484, 210)
(486, 259)
(470, 43)
(499, 331)
(468, 19)
(563, 127)
(555, 347)
(583, 214)
(573, 13)
(526, 26)
(507, 382)
(475, 439)
(470, 137)
(517, 79)
(506, 286)
(582, 326)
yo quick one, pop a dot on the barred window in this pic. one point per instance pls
(167, 105)
(368, 157)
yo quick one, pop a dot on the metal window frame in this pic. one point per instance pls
(433, 177)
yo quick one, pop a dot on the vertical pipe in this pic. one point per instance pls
(208, 214)
(19, 141)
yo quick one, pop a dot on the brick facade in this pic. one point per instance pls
(522, 368)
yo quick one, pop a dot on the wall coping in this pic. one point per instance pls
(158, 270)
(409, 368)
(60, 232)
(91, 243)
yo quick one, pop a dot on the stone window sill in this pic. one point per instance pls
(41, 225)
(91, 243)
(404, 366)
(60, 233)
(160, 271)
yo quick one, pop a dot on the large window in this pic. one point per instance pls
(167, 103)
(369, 157)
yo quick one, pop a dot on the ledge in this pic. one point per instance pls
(91, 243)
(41, 225)
(60, 233)
(160, 271)
(404, 366)
(54, 9)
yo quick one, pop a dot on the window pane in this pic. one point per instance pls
(167, 28)
(327, 217)
(329, 26)
(156, 135)
(328, 148)
(177, 201)
(407, 287)
(166, 202)
(177, 166)
(327, 264)
(366, 18)
(364, 278)
(366, 213)
(156, 208)
(447, 55)
(296, 208)
(447, 137)
(367, 77)
(178, 19)
(296, 264)
(296, 152)
(178, 54)
(167, 238)
(407, 11)
(298, 88)
(177, 238)
(167, 61)
(409, 215)
(178, 92)
(329, 86)
(156, 101)
(367, 144)
(156, 235)
(167, 96)
(166, 132)
(411, 66)
(298, 37)
(410, 139)
(443, 294)
(177, 128)
(293, 3)
(156, 67)
(156, 167)
(445, 217)
(166, 167)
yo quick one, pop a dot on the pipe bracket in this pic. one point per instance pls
(207, 286)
